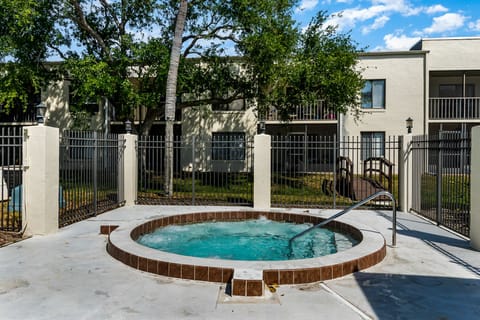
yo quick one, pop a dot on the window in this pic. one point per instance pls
(455, 90)
(373, 94)
(373, 144)
(228, 146)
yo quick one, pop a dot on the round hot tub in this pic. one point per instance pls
(299, 265)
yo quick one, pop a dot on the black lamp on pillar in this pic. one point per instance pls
(261, 127)
(409, 123)
(128, 126)
(40, 113)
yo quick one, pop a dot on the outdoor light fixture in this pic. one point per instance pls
(40, 116)
(409, 122)
(261, 127)
(128, 126)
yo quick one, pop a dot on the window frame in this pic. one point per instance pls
(228, 146)
(363, 93)
(370, 147)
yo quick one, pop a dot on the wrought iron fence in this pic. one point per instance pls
(219, 171)
(441, 179)
(317, 171)
(91, 169)
(11, 178)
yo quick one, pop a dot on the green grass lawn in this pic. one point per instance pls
(301, 190)
(455, 191)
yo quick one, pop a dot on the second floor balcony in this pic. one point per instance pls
(461, 108)
(312, 112)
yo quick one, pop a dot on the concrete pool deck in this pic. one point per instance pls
(430, 274)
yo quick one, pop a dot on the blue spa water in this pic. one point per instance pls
(260, 239)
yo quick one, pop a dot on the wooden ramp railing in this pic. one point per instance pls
(377, 176)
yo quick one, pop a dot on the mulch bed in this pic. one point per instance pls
(7, 238)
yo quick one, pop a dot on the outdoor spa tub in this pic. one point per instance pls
(369, 249)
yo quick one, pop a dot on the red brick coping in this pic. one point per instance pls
(216, 270)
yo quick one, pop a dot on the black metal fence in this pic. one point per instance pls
(219, 171)
(91, 173)
(321, 171)
(11, 178)
(441, 179)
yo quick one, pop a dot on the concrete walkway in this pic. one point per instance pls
(431, 274)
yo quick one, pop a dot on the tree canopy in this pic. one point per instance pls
(119, 50)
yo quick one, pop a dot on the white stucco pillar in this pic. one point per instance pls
(262, 172)
(40, 180)
(405, 174)
(129, 172)
(475, 190)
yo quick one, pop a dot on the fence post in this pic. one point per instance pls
(130, 168)
(193, 170)
(95, 172)
(439, 216)
(40, 180)
(405, 172)
(262, 171)
(474, 187)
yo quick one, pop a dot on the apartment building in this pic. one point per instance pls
(436, 84)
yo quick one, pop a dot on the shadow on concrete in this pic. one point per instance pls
(434, 241)
(397, 296)
(436, 237)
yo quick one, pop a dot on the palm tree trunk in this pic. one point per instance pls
(171, 95)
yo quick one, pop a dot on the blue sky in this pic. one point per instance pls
(386, 25)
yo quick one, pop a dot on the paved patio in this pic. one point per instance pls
(430, 274)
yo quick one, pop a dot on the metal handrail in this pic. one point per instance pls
(356, 205)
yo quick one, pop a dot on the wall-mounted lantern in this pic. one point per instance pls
(409, 123)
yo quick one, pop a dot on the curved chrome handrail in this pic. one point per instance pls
(356, 205)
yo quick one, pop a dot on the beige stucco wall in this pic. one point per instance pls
(56, 98)
(201, 122)
(452, 53)
(404, 95)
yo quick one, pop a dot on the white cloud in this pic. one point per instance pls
(435, 9)
(475, 26)
(400, 42)
(307, 5)
(447, 22)
(377, 24)
(349, 18)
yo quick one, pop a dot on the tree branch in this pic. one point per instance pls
(209, 35)
(58, 51)
(108, 8)
(83, 24)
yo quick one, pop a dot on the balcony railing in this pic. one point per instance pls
(312, 112)
(454, 108)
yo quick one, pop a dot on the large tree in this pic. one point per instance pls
(121, 50)
(25, 29)
(169, 54)
(110, 50)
